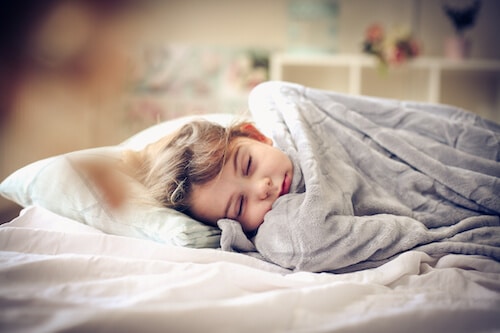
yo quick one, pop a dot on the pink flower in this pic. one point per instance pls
(398, 56)
(396, 49)
(374, 33)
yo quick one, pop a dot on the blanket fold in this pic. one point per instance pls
(374, 178)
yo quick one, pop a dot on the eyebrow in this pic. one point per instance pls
(235, 159)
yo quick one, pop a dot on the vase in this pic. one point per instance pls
(457, 47)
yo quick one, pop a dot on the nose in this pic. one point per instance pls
(263, 188)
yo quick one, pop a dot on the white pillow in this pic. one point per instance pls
(55, 184)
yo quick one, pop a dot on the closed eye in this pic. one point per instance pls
(249, 165)
(240, 209)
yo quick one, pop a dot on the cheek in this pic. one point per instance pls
(256, 215)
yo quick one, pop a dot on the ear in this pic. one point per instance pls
(252, 132)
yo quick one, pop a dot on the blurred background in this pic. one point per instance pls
(76, 74)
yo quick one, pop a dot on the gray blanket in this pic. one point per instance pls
(373, 178)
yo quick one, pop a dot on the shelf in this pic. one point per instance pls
(423, 79)
(370, 62)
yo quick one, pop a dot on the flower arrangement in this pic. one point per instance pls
(394, 49)
(462, 18)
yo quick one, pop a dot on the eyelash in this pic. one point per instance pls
(240, 210)
(249, 164)
(246, 173)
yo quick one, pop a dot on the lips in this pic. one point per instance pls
(285, 187)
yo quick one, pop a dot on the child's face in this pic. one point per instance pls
(251, 180)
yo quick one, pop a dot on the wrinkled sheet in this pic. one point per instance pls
(59, 275)
(374, 178)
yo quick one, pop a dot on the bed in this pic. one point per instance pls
(71, 263)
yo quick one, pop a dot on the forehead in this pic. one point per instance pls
(209, 200)
(240, 141)
(233, 150)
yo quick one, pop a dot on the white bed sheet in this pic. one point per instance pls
(59, 275)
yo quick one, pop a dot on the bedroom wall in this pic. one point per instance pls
(50, 120)
(264, 23)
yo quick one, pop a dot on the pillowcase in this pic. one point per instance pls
(57, 185)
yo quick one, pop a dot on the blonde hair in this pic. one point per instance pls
(193, 155)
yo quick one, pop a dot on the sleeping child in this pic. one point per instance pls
(337, 183)
(211, 172)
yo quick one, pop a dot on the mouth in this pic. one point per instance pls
(285, 187)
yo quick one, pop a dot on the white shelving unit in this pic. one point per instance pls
(473, 84)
